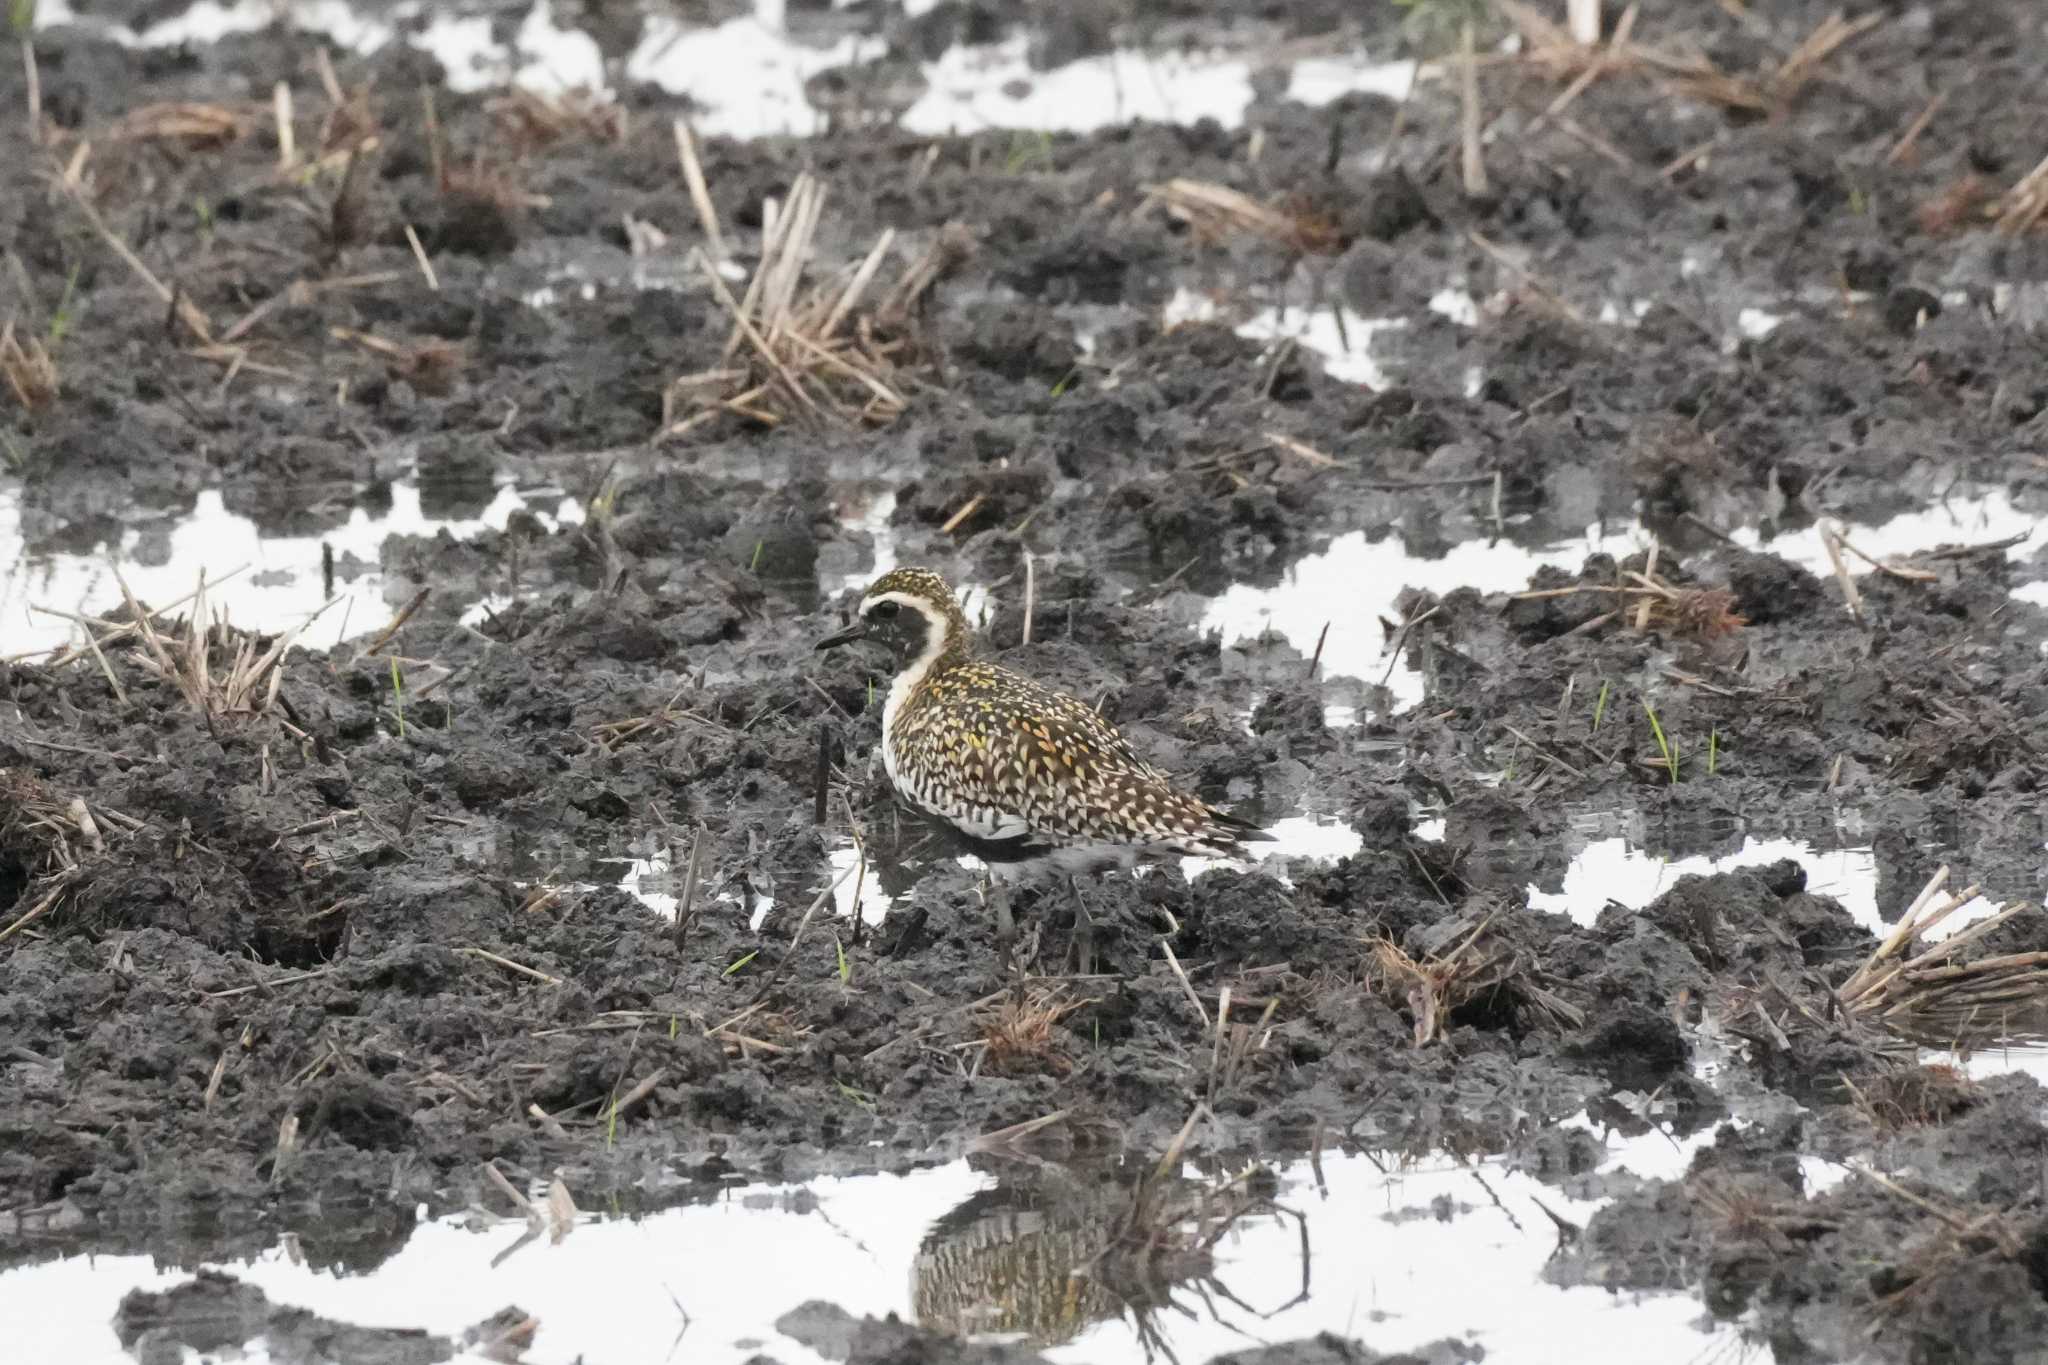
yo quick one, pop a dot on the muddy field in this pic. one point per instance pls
(336, 939)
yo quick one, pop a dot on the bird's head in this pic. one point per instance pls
(911, 612)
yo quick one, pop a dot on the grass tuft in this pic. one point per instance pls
(398, 696)
(1021, 1032)
(1670, 755)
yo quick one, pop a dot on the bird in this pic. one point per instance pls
(1028, 779)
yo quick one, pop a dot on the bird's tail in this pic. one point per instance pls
(1231, 830)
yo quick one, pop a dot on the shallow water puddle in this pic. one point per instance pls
(209, 20)
(1396, 1255)
(747, 77)
(1345, 347)
(653, 881)
(280, 584)
(863, 888)
(865, 513)
(1617, 870)
(1310, 838)
(1344, 344)
(1367, 575)
(2029, 1058)
(1975, 519)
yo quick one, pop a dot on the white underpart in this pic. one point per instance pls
(985, 822)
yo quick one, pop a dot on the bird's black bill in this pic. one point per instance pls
(844, 637)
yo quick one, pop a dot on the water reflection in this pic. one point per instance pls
(1050, 1253)
(1085, 1262)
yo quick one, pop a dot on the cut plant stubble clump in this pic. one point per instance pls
(1923, 993)
(818, 350)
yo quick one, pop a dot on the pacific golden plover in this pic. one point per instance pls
(1025, 778)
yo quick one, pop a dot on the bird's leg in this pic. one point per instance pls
(1084, 932)
(1006, 927)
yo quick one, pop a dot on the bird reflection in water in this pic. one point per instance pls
(1052, 1250)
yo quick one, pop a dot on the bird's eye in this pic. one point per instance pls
(884, 611)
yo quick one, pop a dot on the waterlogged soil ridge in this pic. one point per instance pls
(337, 956)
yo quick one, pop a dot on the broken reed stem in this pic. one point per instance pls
(686, 910)
(1305, 451)
(822, 787)
(512, 1192)
(496, 960)
(855, 287)
(2026, 202)
(1030, 591)
(1903, 148)
(1895, 570)
(419, 253)
(405, 614)
(1171, 1157)
(1186, 986)
(1582, 17)
(281, 111)
(860, 853)
(967, 509)
(1216, 1040)
(33, 79)
(43, 906)
(700, 193)
(743, 329)
(180, 304)
(1474, 160)
(1831, 541)
(1649, 574)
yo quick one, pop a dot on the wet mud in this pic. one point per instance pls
(420, 904)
